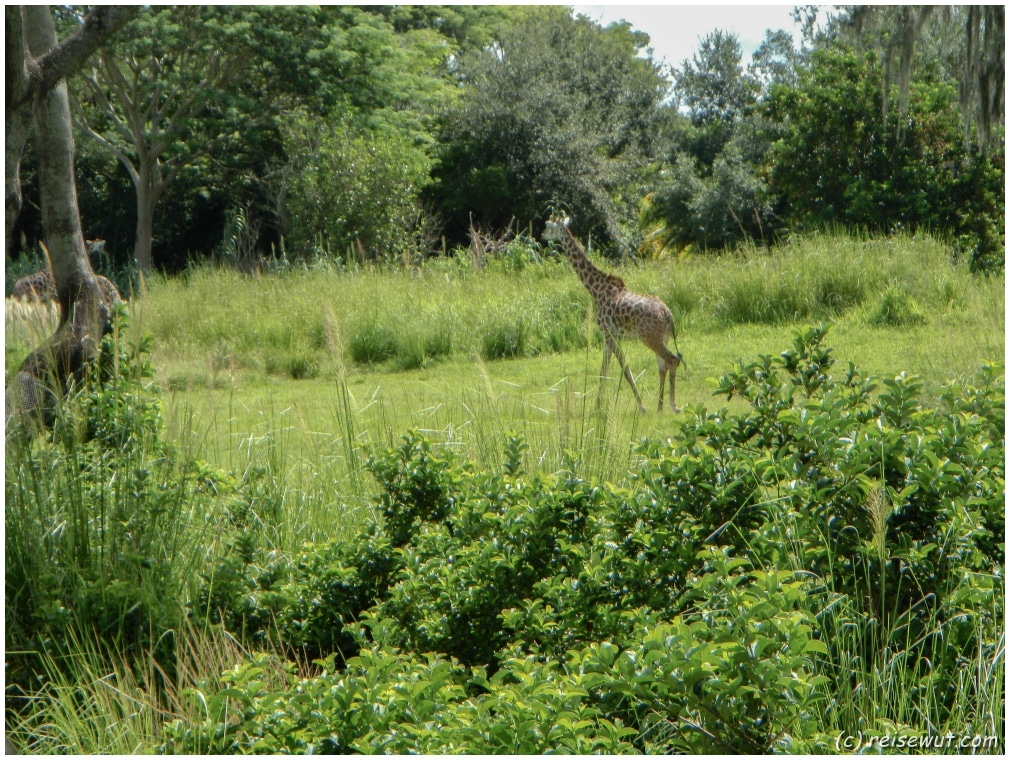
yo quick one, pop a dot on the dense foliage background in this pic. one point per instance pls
(259, 134)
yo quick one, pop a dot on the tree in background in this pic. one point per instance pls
(971, 40)
(464, 27)
(351, 178)
(37, 65)
(198, 95)
(715, 91)
(352, 193)
(710, 192)
(511, 111)
(776, 61)
(30, 77)
(171, 92)
(555, 108)
(841, 161)
(819, 145)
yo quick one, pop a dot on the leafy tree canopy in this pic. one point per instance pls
(555, 109)
(841, 160)
(713, 87)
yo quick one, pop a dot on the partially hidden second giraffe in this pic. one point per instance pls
(620, 313)
(40, 286)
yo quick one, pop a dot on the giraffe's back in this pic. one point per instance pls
(39, 286)
(640, 316)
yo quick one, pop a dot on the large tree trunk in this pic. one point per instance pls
(19, 122)
(147, 198)
(55, 147)
(27, 76)
(85, 300)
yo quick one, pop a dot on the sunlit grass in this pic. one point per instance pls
(311, 368)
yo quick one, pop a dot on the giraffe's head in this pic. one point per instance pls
(553, 230)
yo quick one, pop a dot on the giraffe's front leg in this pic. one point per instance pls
(603, 370)
(627, 375)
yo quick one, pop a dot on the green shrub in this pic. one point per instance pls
(505, 338)
(749, 624)
(419, 485)
(372, 342)
(763, 300)
(353, 191)
(897, 308)
(720, 602)
(296, 365)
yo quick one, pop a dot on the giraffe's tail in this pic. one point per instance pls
(679, 355)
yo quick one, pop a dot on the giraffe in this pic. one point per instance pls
(621, 313)
(40, 286)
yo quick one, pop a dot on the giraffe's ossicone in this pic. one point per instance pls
(621, 313)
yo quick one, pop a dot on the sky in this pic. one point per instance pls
(674, 29)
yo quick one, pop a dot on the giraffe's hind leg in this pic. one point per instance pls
(667, 362)
(661, 363)
(673, 364)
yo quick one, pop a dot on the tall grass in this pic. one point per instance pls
(239, 337)
(93, 704)
(882, 671)
(275, 325)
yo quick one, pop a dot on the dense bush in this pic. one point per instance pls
(353, 193)
(708, 207)
(703, 608)
(97, 520)
(840, 161)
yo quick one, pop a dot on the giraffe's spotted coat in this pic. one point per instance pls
(41, 286)
(38, 286)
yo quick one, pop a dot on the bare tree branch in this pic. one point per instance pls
(108, 145)
(67, 57)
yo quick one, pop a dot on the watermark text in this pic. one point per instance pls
(859, 742)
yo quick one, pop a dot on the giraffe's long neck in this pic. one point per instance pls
(595, 280)
(583, 267)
